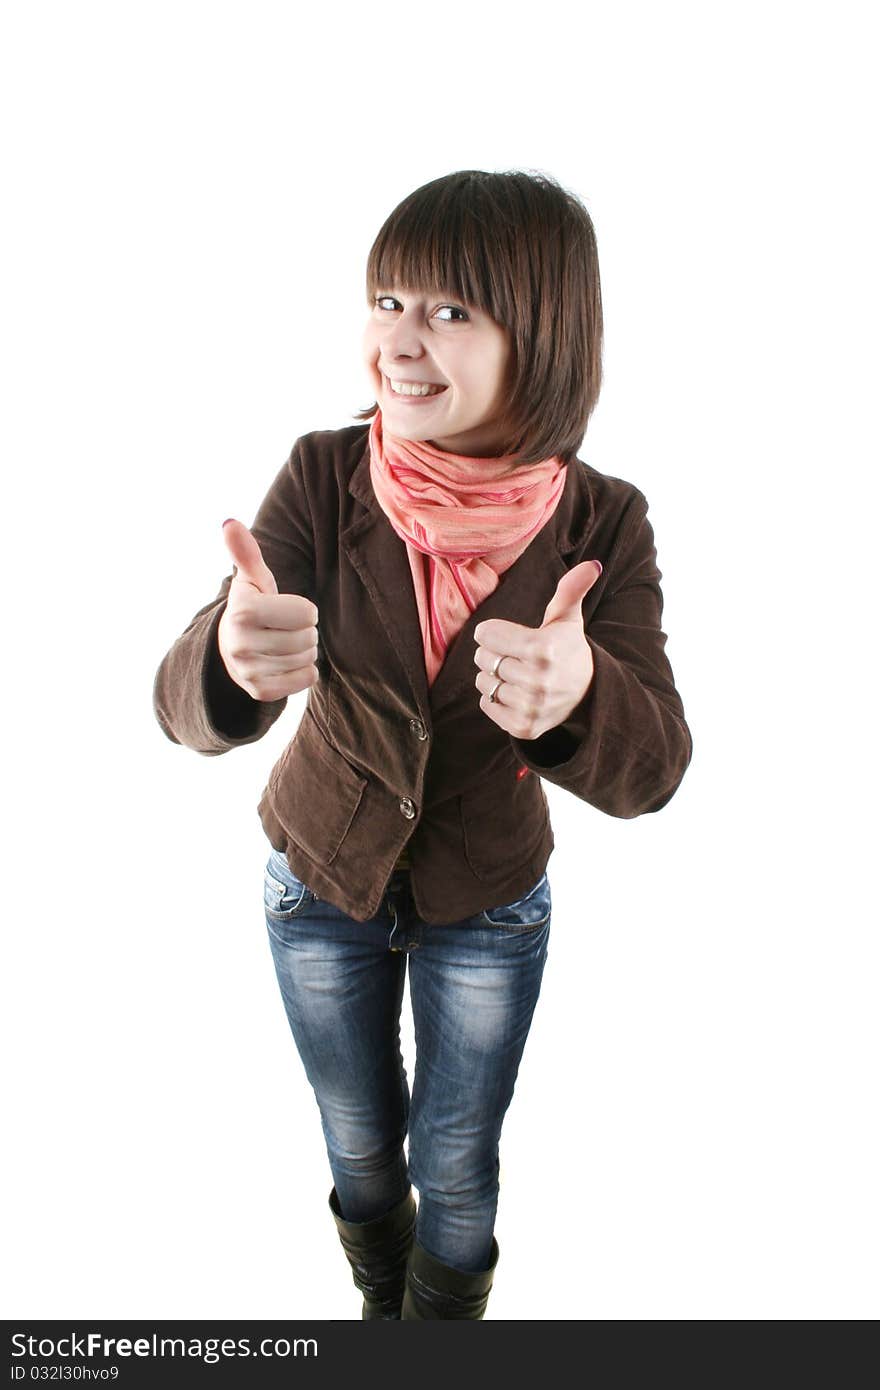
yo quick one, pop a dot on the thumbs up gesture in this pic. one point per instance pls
(545, 671)
(268, 641)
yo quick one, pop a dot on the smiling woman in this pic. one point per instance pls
(502, 274)
(470, 635)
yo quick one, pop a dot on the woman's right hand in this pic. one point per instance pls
(268, 641)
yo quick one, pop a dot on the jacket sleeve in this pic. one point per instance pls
(625, 748)
(195, 700)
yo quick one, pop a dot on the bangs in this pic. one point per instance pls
(439, 242)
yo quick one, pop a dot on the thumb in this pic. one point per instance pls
(565, 605)
(252, 568)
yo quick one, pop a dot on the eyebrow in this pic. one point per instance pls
(446, 296)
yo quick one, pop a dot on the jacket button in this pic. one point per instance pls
(407, 807)
(418, 729)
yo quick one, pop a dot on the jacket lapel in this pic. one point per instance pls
(379, 556)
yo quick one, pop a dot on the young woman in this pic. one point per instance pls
(471, 609)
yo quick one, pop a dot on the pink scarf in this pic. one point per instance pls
(464, 520)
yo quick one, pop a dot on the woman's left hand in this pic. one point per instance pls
(547, 670)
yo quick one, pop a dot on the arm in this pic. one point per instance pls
(625, 748)
(195, 700)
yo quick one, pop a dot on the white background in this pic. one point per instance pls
(191, 194)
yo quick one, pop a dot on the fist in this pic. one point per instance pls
(268, 641)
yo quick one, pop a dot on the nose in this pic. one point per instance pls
(402, 339)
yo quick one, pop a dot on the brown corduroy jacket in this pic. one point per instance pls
(380, 761)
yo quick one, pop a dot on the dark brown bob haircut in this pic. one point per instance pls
(522, 249)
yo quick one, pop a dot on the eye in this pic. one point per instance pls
(387, 304)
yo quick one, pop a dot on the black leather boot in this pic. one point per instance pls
(377, 1252)
(435, 1290)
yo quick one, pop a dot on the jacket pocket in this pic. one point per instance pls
(316, 793)
(503, 823)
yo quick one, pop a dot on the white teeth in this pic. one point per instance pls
(407, 388)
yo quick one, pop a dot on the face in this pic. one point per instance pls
(422, 338)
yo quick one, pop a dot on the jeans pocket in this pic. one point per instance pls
(284, 895)
(526, 914)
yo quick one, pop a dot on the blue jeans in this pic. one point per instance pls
(474, 985)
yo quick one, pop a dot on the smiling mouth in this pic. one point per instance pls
(413, 391)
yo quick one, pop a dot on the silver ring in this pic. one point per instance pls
(496, 663)
(493, 698)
